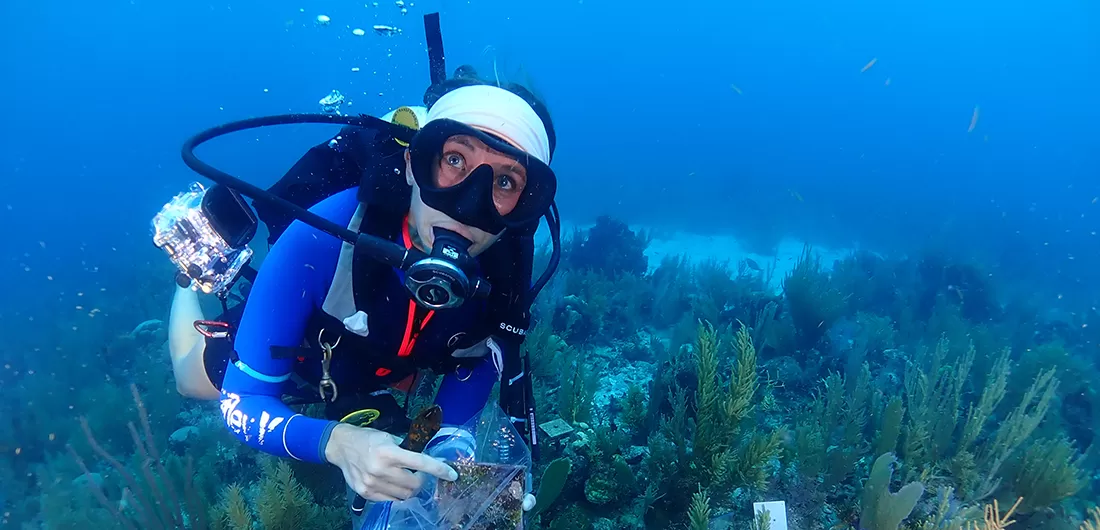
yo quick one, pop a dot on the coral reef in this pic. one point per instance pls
(873, 393)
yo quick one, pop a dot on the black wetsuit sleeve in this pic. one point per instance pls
(326, 169)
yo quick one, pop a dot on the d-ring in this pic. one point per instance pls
(322, 342)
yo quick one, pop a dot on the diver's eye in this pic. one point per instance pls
(506, 182)
(455, 160)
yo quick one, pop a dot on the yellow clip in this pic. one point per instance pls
(405, 116)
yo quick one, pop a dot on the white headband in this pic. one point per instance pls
(496, 111)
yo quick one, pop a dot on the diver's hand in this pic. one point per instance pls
(375, 467)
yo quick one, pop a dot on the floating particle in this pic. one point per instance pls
(52, 436)
(358, 32)
(404, 11)
(323, 20)
(868, 65)
(735, 89)
(385, 30)
(80, 294)
(301, 10)
(354, 68)
(79, 308)
(49, 278)
(887, 82)
(42, 244)
(974, 119)
(399, 3)
(18, 450)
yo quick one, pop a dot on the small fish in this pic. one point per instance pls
(868, 65)
(385, 30)
(752, 264)
(735, 89)
(973, 119)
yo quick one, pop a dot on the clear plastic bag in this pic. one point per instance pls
(490, 487)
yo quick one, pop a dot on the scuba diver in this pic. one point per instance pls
(416, 253)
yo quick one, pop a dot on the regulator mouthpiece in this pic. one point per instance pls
(440, 281)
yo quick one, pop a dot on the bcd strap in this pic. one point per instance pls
(292, 352)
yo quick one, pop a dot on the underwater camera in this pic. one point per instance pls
(205, 232)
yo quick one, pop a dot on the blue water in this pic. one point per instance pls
(750, 118)
(99, 95)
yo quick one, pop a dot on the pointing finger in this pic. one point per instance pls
(425, 463)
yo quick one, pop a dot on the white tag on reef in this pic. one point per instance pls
(776, 509)
(357, 324)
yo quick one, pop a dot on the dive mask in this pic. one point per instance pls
(470, 201)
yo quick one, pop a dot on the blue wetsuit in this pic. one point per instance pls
(289, 291)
